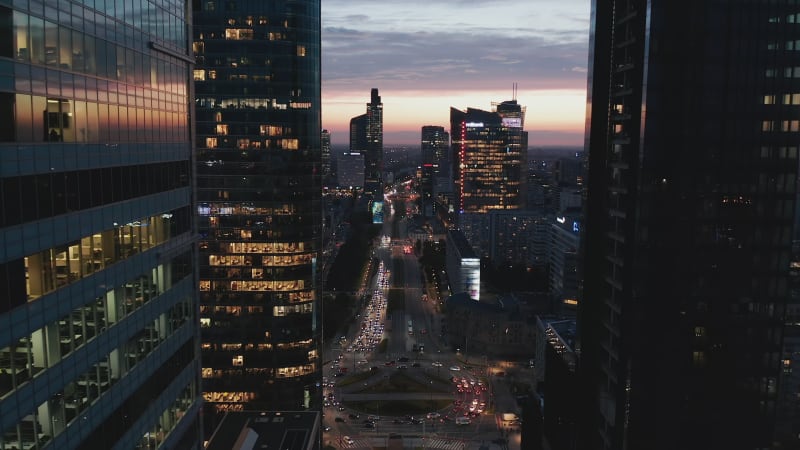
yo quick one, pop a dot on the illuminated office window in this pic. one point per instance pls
(238, 34)
(270, 130)
(791, 99)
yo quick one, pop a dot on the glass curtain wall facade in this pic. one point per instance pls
(99, 334)
(325, 156)
(358, 134)
(373, 157)
(257, 83)
(489, 162)
(435, 142)
(692, 134)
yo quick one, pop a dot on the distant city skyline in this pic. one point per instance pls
(428, 56)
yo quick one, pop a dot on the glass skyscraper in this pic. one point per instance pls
(435, 143)
(325, 157)
(693, 120)
(366, 137)
(489, 151)
(99, 334)
(373, 158)
(257, 82)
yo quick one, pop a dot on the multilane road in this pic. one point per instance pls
(358, 357)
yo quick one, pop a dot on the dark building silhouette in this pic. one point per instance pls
(366, 137)
(373, 158)
(98, 314)
(692, 139)
(259, 194)
(325, 146)
(434, 151)
(268, 429)
(358, 134)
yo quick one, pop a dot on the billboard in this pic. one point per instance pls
(512, 122)
(377, 212)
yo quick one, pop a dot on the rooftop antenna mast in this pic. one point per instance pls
(514, 91)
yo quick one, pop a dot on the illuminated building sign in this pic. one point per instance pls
(471, 275)
(474, 124)
(512, 122)
(377, 212)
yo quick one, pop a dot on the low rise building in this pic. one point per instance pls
(297, 430)
(488, 328)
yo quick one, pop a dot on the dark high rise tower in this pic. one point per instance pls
(694, 108)
(366, 137)
(98, 315)
(325, 146)
(373, 159)
(358, 134)
(435, 148)
(258, 123)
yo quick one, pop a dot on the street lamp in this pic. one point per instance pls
(430, 392)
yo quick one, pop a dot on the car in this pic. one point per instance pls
(341, 408)
(348, 440)
(455, 368)
(369, 425)
(436, 364)
(326, 428)
(463, 421)
(338, 419)
(415, 365)
(353, 416)
(433, 415)
(373, 418)
(402, 366)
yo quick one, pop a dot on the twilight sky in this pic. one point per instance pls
(428, 55)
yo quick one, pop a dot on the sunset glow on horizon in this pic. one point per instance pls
(553, 117)
(426, 56)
